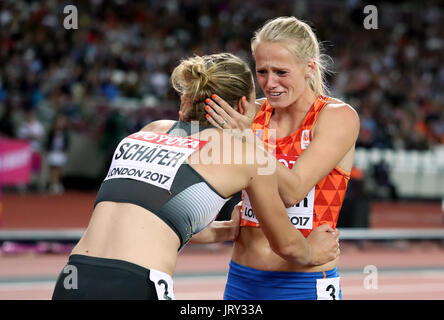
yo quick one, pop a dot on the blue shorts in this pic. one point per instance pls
(245, 283)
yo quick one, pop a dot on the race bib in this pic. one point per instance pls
(152, 157)
(247, 210)
(328, 289)
(300, 215)
(163, 284)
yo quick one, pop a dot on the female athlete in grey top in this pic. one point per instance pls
(187, 207)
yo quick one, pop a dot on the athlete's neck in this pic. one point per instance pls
(295, 112)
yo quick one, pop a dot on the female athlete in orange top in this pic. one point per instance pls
(311, 134)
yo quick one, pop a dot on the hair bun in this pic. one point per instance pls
(200, 73)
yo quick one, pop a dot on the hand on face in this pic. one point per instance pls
(223, 116)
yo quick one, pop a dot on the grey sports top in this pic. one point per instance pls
(188, 204)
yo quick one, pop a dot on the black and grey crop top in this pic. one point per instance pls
(148, 169)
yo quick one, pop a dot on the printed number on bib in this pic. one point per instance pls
(151, 157)
(300, 215)
(163, 284)
(328, 289)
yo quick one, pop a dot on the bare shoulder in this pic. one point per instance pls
(340, 117)
(159, 125)
(337, 111)
(340, 108)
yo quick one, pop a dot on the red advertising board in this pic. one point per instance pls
(15, 162)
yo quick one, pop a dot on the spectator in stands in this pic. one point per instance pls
(32, 130)
(6, 123)
(115, 129)
(57, 145)
(355, 209)
(124, 49)
(384, 184)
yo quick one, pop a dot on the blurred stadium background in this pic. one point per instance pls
(110, 76)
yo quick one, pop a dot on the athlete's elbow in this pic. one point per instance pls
(291, 200)
(291, 197)
(287, 198)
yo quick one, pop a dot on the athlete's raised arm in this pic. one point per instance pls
(334, 136)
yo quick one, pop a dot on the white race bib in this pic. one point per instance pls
(247, 210)
(328, 289)
(151, 157)
(164, 285)
(300, 215)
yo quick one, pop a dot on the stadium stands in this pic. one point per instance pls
(115, 67)
(415, 174)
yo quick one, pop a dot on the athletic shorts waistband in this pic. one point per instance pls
(257, 274)
(246, 283)
(109, 263)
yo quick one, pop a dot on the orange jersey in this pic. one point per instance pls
(323, 203)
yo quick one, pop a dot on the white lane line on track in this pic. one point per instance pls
(394, 288)
(27, 285)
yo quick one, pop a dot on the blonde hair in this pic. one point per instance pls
(223, 74)
(301, 41)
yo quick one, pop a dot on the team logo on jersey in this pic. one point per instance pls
(259, 133)
(305, 139)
